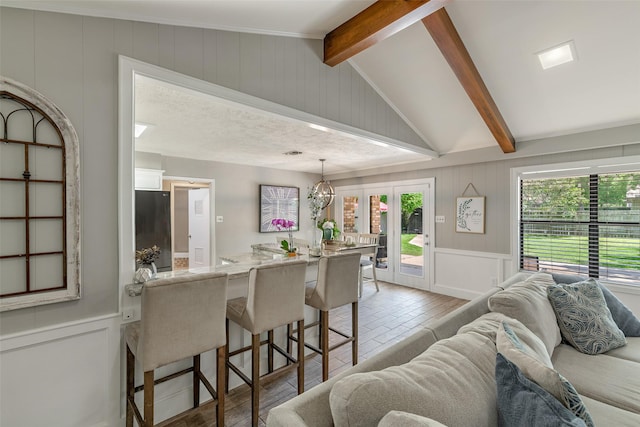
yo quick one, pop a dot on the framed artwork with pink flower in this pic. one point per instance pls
(278, 202)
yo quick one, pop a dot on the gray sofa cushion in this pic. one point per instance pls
(486, 325)
(527, 301)
(605, 378)
(312, 406)
(631, 351)
(453, 382)
(607, 415)
(523, 403)
(405, 419)
(584, 319)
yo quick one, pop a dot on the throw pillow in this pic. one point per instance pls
(584, 319)
(523, 403)
(435, 384)
(406, 419)
(528, 302)
(527, 352)
(628, 323)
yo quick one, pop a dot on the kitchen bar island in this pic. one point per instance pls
(238, 267)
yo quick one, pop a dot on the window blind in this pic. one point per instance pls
(587, 225)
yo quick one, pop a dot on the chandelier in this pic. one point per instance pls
(323, 190)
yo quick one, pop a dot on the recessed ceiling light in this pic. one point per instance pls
(139, 129)
(557, 55)
(318, 127)
(293, 153)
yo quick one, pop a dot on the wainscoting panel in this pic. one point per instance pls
(62, 375)
(467, 274)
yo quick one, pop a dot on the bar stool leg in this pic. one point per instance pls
(324, 343)
(255, 379)
(270, 350)
(300, 356)
(354, 332)
(289, 345)
(226, 359)
(148, 398)
(375, 279)
(196, 381)
(130, 386)
(221, 356)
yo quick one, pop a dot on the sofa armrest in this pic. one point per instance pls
(312, 407)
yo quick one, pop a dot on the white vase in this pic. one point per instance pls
(145, 273)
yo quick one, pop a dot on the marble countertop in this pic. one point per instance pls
(238, 265)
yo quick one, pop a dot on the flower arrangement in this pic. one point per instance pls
(315, 204)
(285, 224)
(147, 255)
(329, 228)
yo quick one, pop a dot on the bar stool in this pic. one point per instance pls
(275, 298)
(181, 317)
(369, 259)
(337, 285)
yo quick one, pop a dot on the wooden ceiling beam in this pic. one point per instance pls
(374, 24)
(450, 44)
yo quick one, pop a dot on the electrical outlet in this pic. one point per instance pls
(128, 314)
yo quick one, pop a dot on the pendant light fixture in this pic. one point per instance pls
(323, 190)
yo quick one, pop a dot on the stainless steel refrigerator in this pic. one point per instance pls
(153, 224)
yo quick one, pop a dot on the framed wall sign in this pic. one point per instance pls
(278, 202)
(470, 214)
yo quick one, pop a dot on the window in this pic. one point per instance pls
(39, 214)
(581, 221)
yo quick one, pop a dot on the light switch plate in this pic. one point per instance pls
(220, 218)
(440, 219)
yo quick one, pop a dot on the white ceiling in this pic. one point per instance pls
(600, 90)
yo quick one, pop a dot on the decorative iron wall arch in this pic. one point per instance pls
(39, 191)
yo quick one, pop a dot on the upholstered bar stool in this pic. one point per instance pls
(337, 285)
(181, 317)
(275, 298)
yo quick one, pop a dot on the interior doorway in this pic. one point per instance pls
(190, 223)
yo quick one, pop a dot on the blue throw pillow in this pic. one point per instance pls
(523, 403)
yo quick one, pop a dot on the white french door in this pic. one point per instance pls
(402, 213)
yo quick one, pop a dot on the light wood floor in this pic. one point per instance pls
(385, 318)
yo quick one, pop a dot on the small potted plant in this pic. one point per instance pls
(285, 224)
(145, 261)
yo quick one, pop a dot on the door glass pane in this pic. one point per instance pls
(378, 225)
(350, 214)
(411, 238)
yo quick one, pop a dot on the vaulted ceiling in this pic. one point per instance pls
(495, 94)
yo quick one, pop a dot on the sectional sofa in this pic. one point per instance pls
(514, 356)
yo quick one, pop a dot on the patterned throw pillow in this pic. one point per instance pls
(583, 317)
(527, 352)
(523, 403)
(624, 318)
